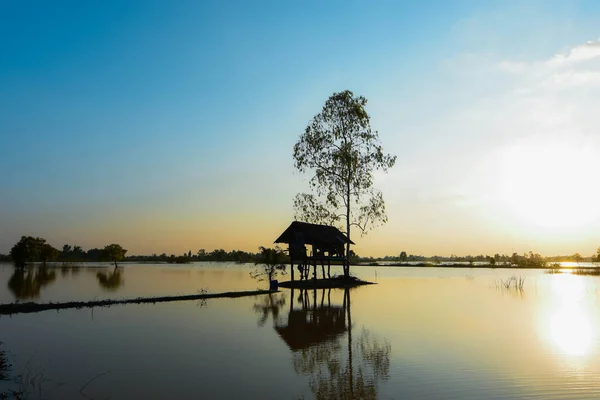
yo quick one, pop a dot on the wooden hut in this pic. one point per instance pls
(327, 243)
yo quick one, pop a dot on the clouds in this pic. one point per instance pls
(515, 67)
(578, 67)
(521, 140)
(583, 52)
(572, 79)
(543, 172)
(557, 97)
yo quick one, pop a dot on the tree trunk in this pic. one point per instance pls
(347, 261)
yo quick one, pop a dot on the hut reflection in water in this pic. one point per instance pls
(315, 332)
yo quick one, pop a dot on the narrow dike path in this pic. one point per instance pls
(31, 307)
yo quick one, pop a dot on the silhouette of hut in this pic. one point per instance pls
(328, 244)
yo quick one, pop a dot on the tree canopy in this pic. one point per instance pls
(30, 249)
(269, 262)
(114, 253)
(342, 151)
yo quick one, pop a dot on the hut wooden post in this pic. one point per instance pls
(292, 267)
(305, 270)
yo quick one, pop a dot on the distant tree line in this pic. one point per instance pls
(217, 255)
(405, 257)
(529, 259)
(34, 249)
(30, 249)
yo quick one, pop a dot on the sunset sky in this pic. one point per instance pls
(168, 126)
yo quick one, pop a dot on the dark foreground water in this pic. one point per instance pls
(426, 333)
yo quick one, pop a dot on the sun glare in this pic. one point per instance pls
(570, 328)
(551, 183)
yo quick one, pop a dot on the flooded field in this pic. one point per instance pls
(435, 333)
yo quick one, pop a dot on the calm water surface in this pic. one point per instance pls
(427, 333)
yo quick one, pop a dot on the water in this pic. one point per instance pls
(435, 333)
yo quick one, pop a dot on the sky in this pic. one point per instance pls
(169, 126)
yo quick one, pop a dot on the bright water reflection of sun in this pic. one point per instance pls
(570, 328)
(551, 183)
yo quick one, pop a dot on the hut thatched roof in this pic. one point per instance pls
(313, 234)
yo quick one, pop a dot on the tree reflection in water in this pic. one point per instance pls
(314, 333)
(110, 281)
(26, 283)
(269, 305)
(65, 269)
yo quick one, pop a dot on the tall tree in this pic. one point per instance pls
(342, 151)
(403, 256)
(114, 253)
(28, 249)
(66, 251)
(48, 253)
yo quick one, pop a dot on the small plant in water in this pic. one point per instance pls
(30, 381)
(515, 283)
(587, 271)
(269, 263)
(554, 268)
(4, 366)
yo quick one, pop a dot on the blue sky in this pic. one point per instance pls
(169, 126)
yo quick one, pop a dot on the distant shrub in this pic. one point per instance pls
(529, 260)
(587, 271)
(270, 262)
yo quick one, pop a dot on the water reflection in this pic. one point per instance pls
(65, 269)
(570, 328)
(110, 281)
(313, 324)
(315, 332)
(270, 305)
(26, 283)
